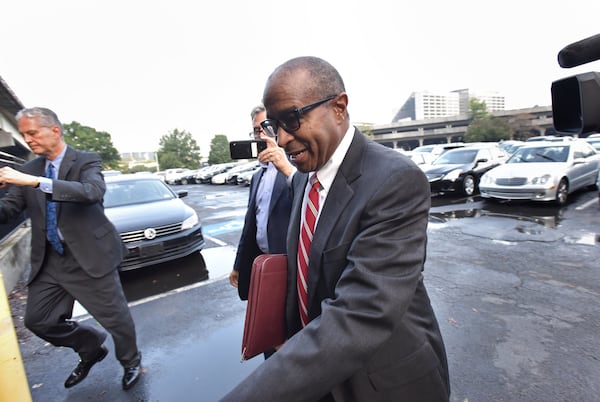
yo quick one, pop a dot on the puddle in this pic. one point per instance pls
(589, 239)
(552, 220)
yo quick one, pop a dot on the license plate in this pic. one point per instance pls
(150, 250)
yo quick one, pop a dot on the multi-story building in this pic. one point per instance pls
(432, 105)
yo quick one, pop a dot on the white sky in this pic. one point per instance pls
(139, 69)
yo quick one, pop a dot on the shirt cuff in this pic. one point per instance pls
(45, 184)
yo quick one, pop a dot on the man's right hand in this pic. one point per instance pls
(276, 155)
(233, 278)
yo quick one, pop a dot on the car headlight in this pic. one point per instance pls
(453, 175)
(487, 179)
(190, 222)
(540, 179)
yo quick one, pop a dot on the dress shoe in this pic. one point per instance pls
(131, 375)
(83, 368)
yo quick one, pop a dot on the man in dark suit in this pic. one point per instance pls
(269, 205)
(75, 249)
(367, 331)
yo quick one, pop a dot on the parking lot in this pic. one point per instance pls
(514, 286)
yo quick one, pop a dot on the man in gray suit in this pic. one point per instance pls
(359, 320)
(76, 254)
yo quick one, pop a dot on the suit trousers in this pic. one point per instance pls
(50, 300)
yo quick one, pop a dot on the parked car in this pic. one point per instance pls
(154, 223)
(435, 150)
(510, 146)
(543, 171)
(594, 141)
(552, 138)
(188, 177)
(206, 175)
(230, 176)
(245, 178)
(420, 158)
(173, 175)
(459, 170)
(598, 185)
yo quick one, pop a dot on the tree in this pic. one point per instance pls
(88, 139)
(178, 149)
(219, 150)
(485, 127)
(477, 109)
(488, 129)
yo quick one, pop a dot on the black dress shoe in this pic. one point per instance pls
(131, 375)
(83, 368)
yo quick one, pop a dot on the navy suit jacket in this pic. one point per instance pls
(79, 192)
(373, 334)
(277, 225)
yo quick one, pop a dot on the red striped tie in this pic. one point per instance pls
(306, 235)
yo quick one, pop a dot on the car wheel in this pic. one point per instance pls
(201, 264)
(468, 187)
(184, 181)
(562, 192)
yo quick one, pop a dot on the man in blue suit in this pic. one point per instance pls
(269, 205)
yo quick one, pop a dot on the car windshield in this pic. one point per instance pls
(133, 192)
(540, 154)
(461, 157)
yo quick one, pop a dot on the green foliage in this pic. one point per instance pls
(478, 109)
(488, 129)
(178, 149)
(484, 127)
(88, 139)
(219, 150)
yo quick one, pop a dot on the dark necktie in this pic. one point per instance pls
(306, 234)
(51, 227)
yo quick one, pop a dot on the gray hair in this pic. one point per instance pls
(45, 117)
(256, 110)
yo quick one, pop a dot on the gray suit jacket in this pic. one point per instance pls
(373, 334)
(79, 192)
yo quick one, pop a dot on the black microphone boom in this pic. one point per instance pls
(581, 52)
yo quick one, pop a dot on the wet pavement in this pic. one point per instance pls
(515, 289)
(190, 340)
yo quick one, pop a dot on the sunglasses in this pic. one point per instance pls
(290, 121)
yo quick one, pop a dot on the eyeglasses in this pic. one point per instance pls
(257, 131)
(290, 121)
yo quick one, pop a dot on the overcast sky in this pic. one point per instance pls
(139, 69)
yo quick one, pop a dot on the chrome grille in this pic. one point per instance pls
(511, 181)
(138, 235)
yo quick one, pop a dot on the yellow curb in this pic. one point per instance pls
(13, 381)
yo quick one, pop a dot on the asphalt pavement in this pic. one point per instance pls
(516, 297)
(189, 352)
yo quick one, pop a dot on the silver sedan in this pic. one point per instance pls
(543, 171)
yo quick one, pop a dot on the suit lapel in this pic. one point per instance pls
(298, 184)
(278, 188)
(340, 194)
(67, 162)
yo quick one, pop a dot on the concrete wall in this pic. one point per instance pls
(15, 251)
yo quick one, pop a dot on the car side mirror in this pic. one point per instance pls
(182, 194)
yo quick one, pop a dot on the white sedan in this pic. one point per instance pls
(543, 171)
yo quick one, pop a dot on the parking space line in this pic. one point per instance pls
(587, 204)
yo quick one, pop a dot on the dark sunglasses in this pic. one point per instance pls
(290, 121)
